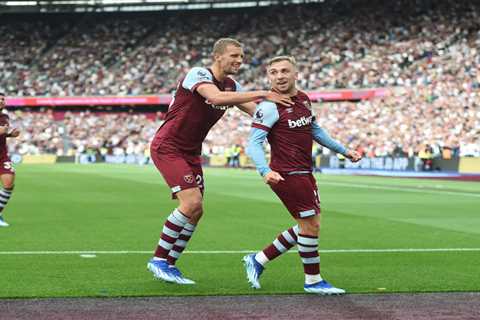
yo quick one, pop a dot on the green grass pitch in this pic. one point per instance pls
(92, 208)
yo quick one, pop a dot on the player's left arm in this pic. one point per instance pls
(322, 137)
(255, 150)
(266, 115)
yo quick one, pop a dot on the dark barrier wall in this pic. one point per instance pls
(446, 165)
(64, 159)
(470, 165)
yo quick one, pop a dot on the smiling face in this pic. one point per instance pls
(282, 75)
(230, 59)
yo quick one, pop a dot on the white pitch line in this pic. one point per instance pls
(399, 250)
(368, 186)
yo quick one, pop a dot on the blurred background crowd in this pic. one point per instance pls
(425, 52)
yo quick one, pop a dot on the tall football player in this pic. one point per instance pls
(7, 172)
(201, 99)
(290, 131)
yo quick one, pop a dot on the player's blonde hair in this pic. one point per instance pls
(222, 43)
(282, 58)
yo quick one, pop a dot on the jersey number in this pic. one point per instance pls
(8, 166)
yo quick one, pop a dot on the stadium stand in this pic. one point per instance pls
(427, 51)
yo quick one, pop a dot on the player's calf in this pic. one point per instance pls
(5, 194)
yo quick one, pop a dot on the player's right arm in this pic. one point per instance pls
(226, 98)
(266, 115)
(200, 79)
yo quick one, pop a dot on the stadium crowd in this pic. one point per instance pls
(426, 51)
(379, 127)
(409, 43)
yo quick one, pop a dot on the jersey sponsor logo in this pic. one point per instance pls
(228, 89)
(289, 110)
(303, 121)
(189, 178)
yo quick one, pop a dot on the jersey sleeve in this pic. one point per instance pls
(323, 138)
(266, 115)
(195, 77)
(238, 86)
(255, 150)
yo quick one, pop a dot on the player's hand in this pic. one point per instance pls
(279, 98)
(272, 178)
(4, 129)
(353, 156)
(14, 133)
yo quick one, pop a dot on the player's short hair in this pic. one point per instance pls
(221, 44)
(2, 94)
(282, 58)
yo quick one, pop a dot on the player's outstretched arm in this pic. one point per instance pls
(353, 155)
(226, 98)
(323, 138)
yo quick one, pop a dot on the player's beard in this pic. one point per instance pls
(285, 88)
(231, 69)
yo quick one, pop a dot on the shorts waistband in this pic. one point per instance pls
(290, 173)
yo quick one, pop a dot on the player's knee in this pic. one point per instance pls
(194, 207)
(314, 227)
(310, 226)
(198, 214)
(197, 208)
(8, 186)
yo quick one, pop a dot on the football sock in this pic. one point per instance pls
(312, 278)
(284, 242)
(308, 250)
(170, 233)
(5, 195)
(181, 243)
